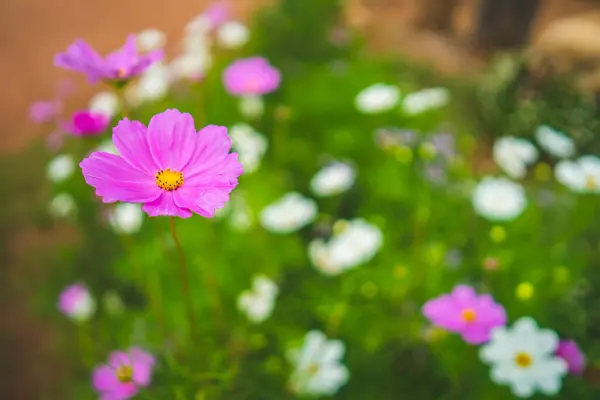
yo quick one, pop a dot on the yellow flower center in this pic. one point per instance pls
(590, 183)
(468, 315)
(124, 373)
(121, 72)
(312, 369)
(523, 360)
(169, 180)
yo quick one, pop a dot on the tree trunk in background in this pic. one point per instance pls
(436, 15)
(505, 23)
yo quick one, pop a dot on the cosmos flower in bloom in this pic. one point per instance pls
(288, 214)
(555, 143)
(523, 357)
(377, 98)
(123, 375)
(499, 199)
(168, 166)
(88, 123)
(465, 312)
(258, 303)
(252, 76)
(569, 351)
(77, 303)
(318, 368)
(581, 175)
(333, 179)
(513, 155)
(119, 65)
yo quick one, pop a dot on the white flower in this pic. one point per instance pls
(377, 98)
(60, 168)
(152, 85)
(191, 65)
(353, 243)
(581, 176)
(251, 107)
(259, 302)
(524, 358)
(318, 368)
(233, 35)
(107, 146)
(333, 179)
(199, 25)
(150, 39)
(513, 155)
(62, 205)
(250, 145)
(556, 143)
(106, 103)
(289, 213)
(424, 100)
(499, 199)
(126, 218)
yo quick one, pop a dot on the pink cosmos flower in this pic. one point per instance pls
(88, 123)
(569, 351)
(119, 65)
(123, 375)
(76, 302)
(252, 76)
(44, 111)
(463, 311)
(168, 166)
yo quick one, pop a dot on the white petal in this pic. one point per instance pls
(332, 352)
(523, 387)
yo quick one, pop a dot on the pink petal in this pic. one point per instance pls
(222, 175)
(139, 355)
(115, 179)
(124, 391)
(213, 145)
(201, 201)
(165, 206)
(104, 379)
(172, 139)
(147, 60)
(464, 296)
(142, 373)
(443, 312)
(119, 358)
(131, 142)
(476, 334)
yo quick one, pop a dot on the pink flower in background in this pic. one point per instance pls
(466, 313)
(252, 76)
(44, 111)
(77, 303)
(168, 166)
(88, 123)
(119, 65)
(123, 375)
(218, 13)
(569, 351)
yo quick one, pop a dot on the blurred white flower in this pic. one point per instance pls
(199, 25)
(126, 218)
(581, 175)
(334, 179)
(377, 98)
(107, 146)
(233, 35)
(77, 303)
(241, 214)
(289, 213)
(318, 368)
(556, 143)
(60, 168)
(106, 103)
(250, 145)
(513, 155)
(353, 243)
(499, 199)
(191, 65)
(251, 107)
(150, 39)
(258, 303)
(424, 100)
(152, 85)
(524, 358)
(62, 205)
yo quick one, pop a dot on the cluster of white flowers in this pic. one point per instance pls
(258, 303)
(288, 214)
(250, 145)
(318, 369)
(353, 243)
(335, 178)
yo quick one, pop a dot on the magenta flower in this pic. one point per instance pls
(463, 311)
(77, 303)
(88, 123)
(252, 76)
(119, 65)
(44, 111)
(123, 375)
(569, 351)
(167, 166)
(217, 14)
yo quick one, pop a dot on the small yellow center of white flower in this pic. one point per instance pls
(590, 183)
(523, 360)
(469, 315)
(312, 369)
(169, 180)
(124, 374)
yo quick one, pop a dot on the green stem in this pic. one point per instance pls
(184, 280)
(120, 92)
(86, 343)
